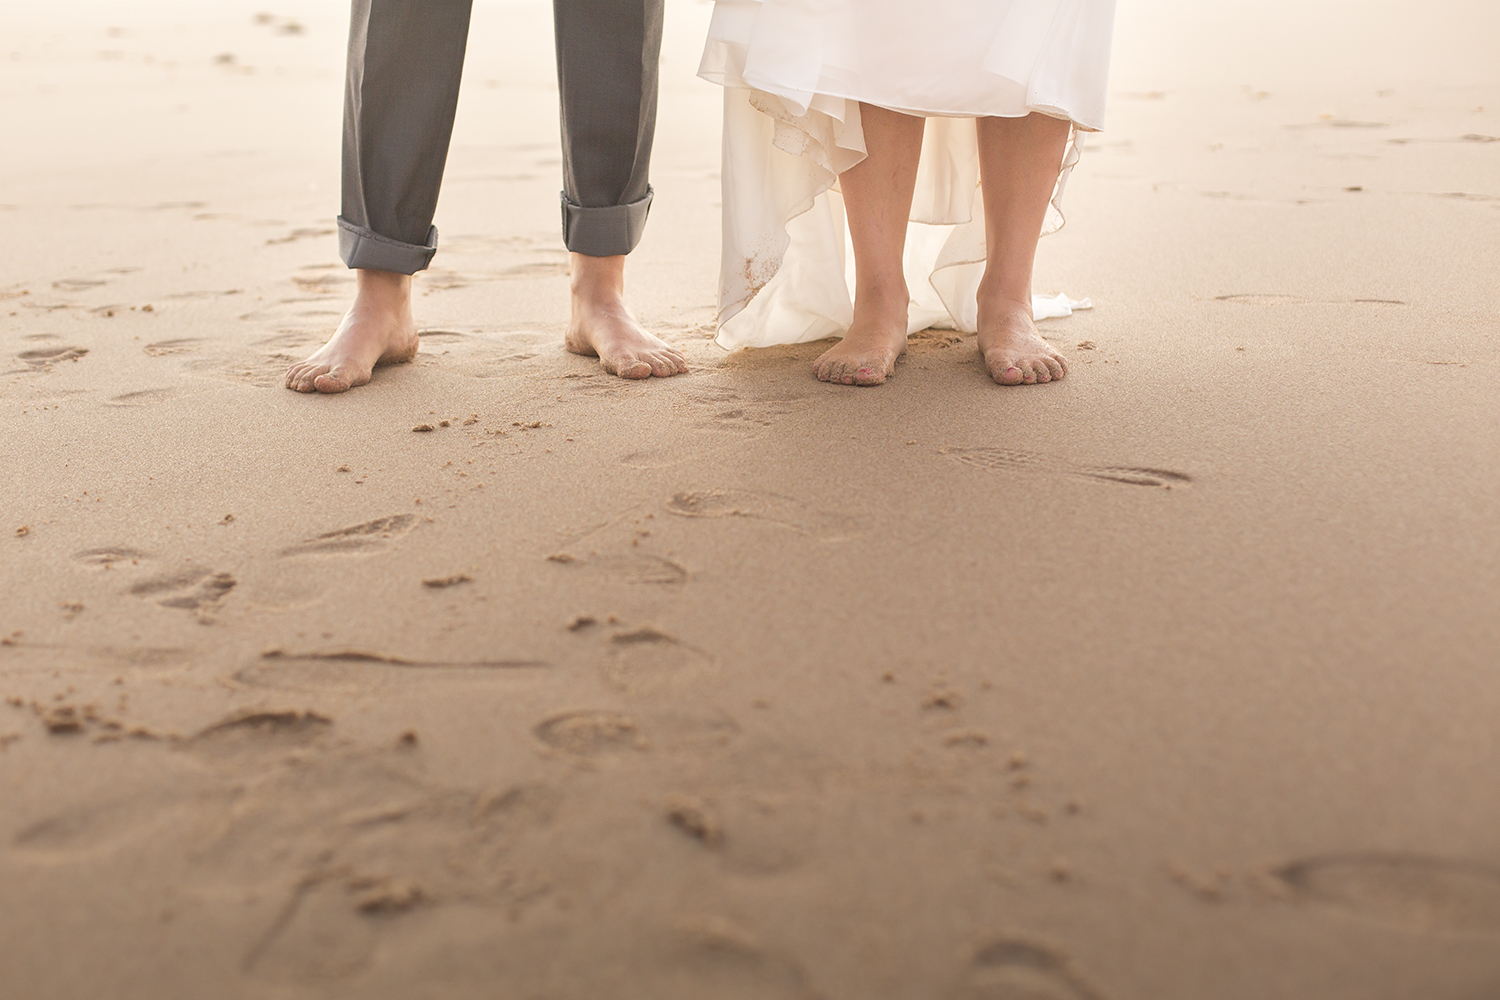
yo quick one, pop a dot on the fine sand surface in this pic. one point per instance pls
(1177, 679)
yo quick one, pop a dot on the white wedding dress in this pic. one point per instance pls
(795, 72)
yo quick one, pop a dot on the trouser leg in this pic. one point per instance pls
(405, 61)
(608, 52)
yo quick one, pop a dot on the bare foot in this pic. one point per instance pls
(1013, 351)
(867, 354)
(378, 329)
(601, 326)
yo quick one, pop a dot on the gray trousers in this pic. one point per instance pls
(405, 61)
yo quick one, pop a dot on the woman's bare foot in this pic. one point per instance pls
(867, 354)
(378, 329)
(1013, 351)
(603, 328)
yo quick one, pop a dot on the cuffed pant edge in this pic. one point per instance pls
(611, 231)
(369, 251)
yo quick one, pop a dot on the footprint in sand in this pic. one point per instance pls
(178, 345)
(288, 311)
(257, 733)
(362, 836)
(677, 732)
(315, 939)
(265, 373)
(654, 459)
(362, 671)
(94, 828)
(647, 658)
(1408, 890)
(378, 845)
(486, 365)
(735, 414)
(46, 357)
(596, 733)
(142, 397)
(1008, 460)
(711, 957)
(91, 828)
(769, 832)
(191, 589)
(630, 567)
(773, 508)
(358, 539)
(1013, 969)
(589, 733)
(291, 341)
(594, 384)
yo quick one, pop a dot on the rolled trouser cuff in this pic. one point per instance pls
(611, 231)
(369, 251)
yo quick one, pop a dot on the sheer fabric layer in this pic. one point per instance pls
(795, 72)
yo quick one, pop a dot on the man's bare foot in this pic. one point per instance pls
(1013, 351)
(867, 354)
(378, 329)
(601, 326)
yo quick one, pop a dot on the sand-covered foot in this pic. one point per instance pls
(378, 329)
(602, 327)
(866, 356)
(608, 332)
(1013, 351)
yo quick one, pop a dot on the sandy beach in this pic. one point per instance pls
(501, 677)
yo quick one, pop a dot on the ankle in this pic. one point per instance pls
(998, 295)
(884, 304)
(596, 280)
(995, 305)
(382, 290)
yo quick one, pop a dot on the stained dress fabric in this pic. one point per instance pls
(795, 72)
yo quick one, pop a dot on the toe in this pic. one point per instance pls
(1008, 374)
(341, 378)
(869, 375)
(301, 377)
(825, 367)
(1056, 368)
(633, 368)
(1040, 372)
(331, 381)
(662, 366)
